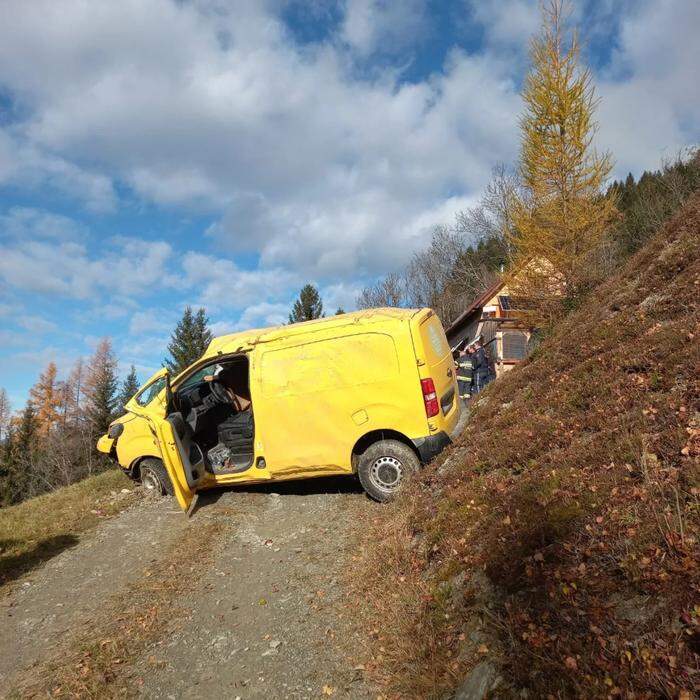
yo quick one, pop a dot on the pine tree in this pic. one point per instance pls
(563, 214)
(20, 456)
(7, 467)
(130, 386)
(308, 306)
(46, 399)
(100, 387)
(188, 341)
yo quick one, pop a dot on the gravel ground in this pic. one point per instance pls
(269, 618)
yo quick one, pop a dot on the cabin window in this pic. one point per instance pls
(514, 345)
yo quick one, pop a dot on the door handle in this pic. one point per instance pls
(449, 372)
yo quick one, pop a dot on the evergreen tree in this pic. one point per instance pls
(130, 386)
(100, 388)
(46, 399)
(308, 306)
(563, 214)
(20, 452)
(340, 311)
(7, 467)
(188, 341)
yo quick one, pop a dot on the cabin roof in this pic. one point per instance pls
(476, 305)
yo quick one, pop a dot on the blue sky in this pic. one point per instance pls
(155, 153)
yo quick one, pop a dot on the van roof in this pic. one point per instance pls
(235, 341)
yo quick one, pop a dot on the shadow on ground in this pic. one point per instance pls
(302, 487)
(12, 566)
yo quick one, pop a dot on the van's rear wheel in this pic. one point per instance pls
(384, 467)
(155, 479)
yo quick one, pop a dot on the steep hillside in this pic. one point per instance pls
(555, 548)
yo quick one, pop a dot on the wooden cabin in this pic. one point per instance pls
(505, 335)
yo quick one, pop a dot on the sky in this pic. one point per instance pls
(222, 153)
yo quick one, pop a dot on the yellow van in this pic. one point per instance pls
(371, 392)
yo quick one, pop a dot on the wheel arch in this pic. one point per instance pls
(135, 467)
(373, 436)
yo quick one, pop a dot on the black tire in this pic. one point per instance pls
(384, 467)
(154, 477)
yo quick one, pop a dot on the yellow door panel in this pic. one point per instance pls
(151, 404)
(171, 451)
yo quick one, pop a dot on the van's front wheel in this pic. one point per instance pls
(154, 478)
(384, 467)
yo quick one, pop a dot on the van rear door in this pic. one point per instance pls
(435, 362)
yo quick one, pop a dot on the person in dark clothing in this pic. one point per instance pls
(480, 367)
(465, 373)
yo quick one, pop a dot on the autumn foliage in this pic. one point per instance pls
(51, 442)
(558, 539)
(561, 214)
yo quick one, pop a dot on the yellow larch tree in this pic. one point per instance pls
(45, 396)
(562, 213)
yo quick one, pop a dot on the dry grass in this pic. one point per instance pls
(560, 538)
(41, 527)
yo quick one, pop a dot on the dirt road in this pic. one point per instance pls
(245, 599)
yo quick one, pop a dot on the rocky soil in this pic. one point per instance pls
(267, 615)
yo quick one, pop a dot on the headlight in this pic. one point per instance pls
(115, 430)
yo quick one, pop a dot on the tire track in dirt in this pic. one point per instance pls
(271, 618)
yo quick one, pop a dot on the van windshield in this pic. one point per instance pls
(147, 394)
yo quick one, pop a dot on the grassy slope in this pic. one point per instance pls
(41, 527)
(560, 537)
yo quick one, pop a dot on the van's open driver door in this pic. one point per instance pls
(170, 445)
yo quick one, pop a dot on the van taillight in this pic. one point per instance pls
(432, 406)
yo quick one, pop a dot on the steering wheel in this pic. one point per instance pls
(220, 393)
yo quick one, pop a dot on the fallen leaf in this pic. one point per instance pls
(570, 662)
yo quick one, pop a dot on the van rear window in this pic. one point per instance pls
(324, 365)
(434, 340)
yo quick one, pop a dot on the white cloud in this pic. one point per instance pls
(224, 285)
(128, 266)
(340, 295)
(371, 26)
(218, 110)
(150, 321)
(27, 222)
(508, 23)
(25, 165)
(36, 324)
(259, 315)
(650, 92)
